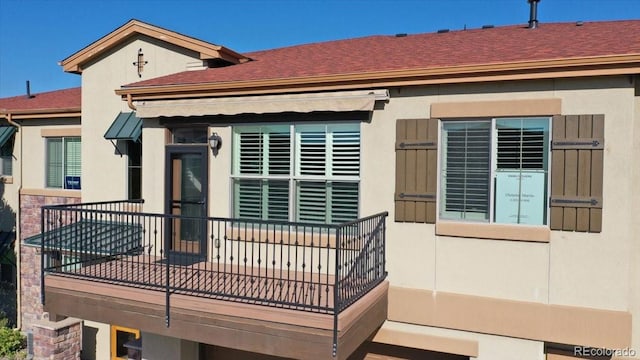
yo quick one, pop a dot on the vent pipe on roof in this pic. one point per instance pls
(533, 13)
(29, 96)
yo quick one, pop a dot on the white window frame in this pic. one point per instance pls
(294, 177)
(492, 169)
(63, 139)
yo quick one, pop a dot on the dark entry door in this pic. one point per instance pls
(187, 197)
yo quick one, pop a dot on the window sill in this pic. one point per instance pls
(494, 231)
(5, 179)
(52, 192)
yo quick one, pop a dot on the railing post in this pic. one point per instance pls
(384, 243)
(167, 244)
(42, 240)
(336, 295)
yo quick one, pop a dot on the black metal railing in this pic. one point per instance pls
(304, 266)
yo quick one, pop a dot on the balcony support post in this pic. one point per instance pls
(167, 244)
(336, 297)
(44, 238)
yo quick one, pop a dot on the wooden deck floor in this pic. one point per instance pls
(235, 282)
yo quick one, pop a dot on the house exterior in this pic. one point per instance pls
(451, 195)
(31, 125)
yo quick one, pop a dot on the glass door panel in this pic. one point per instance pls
(188, 198)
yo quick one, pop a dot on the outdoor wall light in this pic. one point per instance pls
(215, 141)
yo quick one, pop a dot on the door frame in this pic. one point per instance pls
(113, 339)
(170, 151)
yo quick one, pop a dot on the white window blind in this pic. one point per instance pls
(521, 144)
(262, 159)
(72, 156)
(54, 162)
(466, 170)
(521, 170)
(306, 173)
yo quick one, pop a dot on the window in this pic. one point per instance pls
(6, 158)
(189, 135)
(495, 170)
(122, 340)
(63, 162)
(134, 170)
(307, 173)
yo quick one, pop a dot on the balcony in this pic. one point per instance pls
(280, 288)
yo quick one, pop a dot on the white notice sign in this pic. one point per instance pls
(520, 197)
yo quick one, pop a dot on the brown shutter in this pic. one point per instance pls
(576, 172)
(416, 170)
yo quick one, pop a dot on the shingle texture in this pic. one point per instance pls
(59, 99)
(372, 54)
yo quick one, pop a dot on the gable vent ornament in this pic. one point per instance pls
(140, 63)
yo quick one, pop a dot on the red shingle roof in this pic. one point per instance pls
(500, 45)
(59, 99)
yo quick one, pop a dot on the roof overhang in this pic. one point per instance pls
(207, 51)
(22, 114)
(527, 70)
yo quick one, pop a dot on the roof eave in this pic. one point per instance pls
(75, 62)
(573, 67)
(21, 114)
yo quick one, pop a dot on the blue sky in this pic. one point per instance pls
(36, 34)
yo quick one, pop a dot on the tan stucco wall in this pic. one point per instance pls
(634, 251)
(100, 105)
(538, 272)
(592, 269)
(489, 347)
(34, 154)
(153, 159)
(101, 343)
(577, 269)
(219, 171)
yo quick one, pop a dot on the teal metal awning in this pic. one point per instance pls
(92, 236)
(5, 134)
(126, 126)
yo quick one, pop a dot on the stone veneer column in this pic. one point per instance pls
(30, 304)
(57, 340)
(30, 307)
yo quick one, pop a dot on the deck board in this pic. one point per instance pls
(270, 286)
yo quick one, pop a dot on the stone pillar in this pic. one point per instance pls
(30, 306)
(58, 340)
(29, 267)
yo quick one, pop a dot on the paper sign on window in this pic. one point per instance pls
(520, 197)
